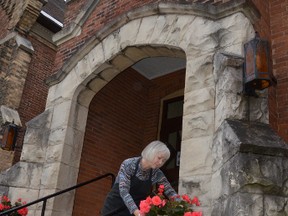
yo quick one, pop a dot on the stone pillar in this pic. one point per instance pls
(16, 53)
(250, 163)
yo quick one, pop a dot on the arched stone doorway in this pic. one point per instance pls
(123, 117)
(54, 140)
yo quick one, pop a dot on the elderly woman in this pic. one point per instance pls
(135, 179)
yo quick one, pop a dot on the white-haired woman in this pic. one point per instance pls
(134, 181)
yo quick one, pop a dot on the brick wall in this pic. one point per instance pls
(123, 118)
(279, 43)
(18, 15)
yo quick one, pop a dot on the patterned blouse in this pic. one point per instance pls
(127, 170)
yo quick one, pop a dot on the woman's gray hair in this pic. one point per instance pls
(154, 148)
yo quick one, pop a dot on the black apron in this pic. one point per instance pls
(139, 190)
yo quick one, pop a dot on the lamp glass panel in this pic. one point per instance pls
(262, 60)
(249, 61)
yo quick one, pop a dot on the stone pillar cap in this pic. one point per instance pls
(9, 115)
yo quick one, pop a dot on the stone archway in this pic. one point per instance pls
(53, 143)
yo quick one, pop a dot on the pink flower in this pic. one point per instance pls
(1, 206)
(196, 214)
(188, 214)
(144, 206)
(149, 200)
(156, 200)
(164, 202)
(161, 189)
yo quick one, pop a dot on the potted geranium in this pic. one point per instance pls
(5, 204)
(177, 206)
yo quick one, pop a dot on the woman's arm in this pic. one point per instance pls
(160, 179)
(126, 171)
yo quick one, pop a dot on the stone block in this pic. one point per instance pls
(199, 73)
(276, 205)
(254, 173)
(27, 195)
(97, 84)
(230, 106)
(197, 185)
(198, 124)
(201, 162)
(235, 136)
(239, 204)
(23, 175)
(61, 114)
(121, 62)
(111, 46)
(199, 101)
(128, 34)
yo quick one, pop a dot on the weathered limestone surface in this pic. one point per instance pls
(250, 164)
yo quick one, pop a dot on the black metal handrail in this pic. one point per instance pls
(44, 199)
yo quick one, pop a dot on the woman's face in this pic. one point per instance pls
(158, 161)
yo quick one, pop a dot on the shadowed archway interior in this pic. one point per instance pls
(123, 117)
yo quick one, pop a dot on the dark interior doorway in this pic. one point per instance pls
(170, 133)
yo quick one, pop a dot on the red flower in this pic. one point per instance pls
(7, 207)
(195, 201)
(5, 199)
(23, 212)
(177, 205)
(186, 198)
(5, 204)
(196, 214)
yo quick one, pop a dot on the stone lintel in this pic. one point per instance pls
(22, 43)
(258, 138)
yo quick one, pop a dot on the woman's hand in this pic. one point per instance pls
(138, 213)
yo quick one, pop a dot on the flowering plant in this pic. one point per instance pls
(176, 206)
(5, 204)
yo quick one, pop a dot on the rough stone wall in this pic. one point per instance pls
(250, 172)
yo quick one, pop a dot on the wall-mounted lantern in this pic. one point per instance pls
(9, 126)
(9, 135)
(257, 73)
